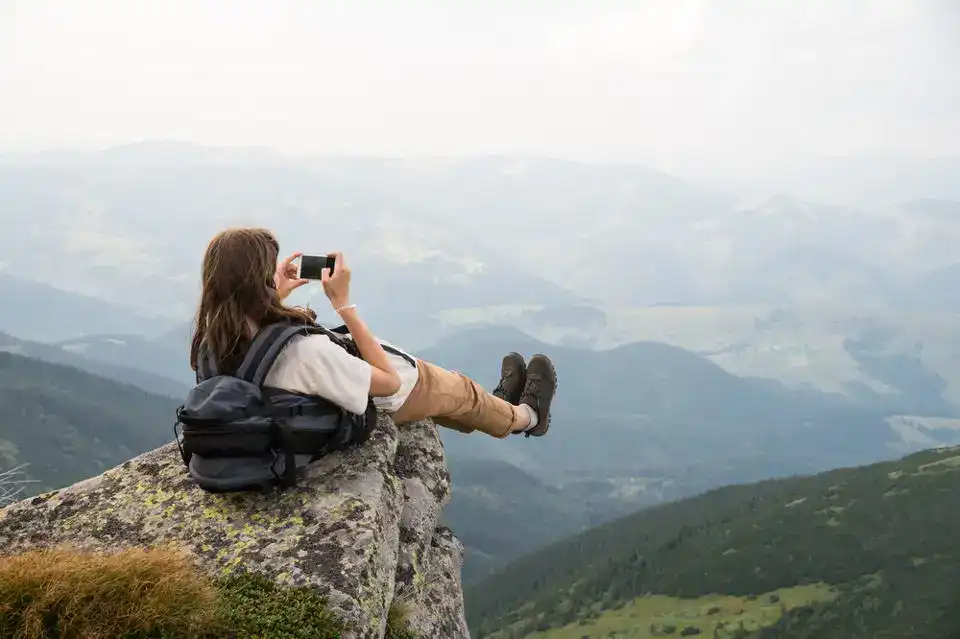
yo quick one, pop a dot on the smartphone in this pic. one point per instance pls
(311, 266)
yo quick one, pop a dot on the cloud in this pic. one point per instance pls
(642, 34)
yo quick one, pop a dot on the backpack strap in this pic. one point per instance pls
(282, 435)
(399, 353)
(343, 330)
(336, 335)
(271, 339)
(265, 348)
(206, 365)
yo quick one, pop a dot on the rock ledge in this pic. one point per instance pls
(361, 527)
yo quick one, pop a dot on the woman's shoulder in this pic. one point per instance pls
(312, 344)
(318, 353)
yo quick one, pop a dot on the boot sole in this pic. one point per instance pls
(542, 427)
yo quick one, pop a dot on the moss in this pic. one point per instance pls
(397, 625)
(254, 606)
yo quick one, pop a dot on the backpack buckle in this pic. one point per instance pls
(184, 455)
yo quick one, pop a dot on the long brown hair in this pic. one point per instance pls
(237, 284)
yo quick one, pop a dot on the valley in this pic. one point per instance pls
(857, 552)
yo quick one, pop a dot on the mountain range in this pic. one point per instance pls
(633, 426)
(642, 424)
(655, 406)
(492, 230)
(572, 253)
(67, 425)
(36, 311)
(100, 362)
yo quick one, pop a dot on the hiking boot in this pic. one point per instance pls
(513, 377)
(538, 392)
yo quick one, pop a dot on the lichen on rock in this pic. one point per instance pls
(426, 486)
(439, 611)
(358, 528)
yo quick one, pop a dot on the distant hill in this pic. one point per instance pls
(891, 358)
(69, 425)
(501, 512)
(499, 506)
(653, 407)
(638, 425)
(36, 311)
(865, 552)
(127, 374)
(160, 355)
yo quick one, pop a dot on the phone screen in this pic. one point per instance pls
(311, 266)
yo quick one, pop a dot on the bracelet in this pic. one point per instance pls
(344, 308)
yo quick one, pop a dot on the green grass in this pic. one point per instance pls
(660, 615)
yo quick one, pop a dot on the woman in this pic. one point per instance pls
(243, 290)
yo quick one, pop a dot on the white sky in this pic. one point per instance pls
(662, 81)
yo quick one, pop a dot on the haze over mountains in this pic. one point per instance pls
(837, 322)
(587, 255)
(613, 235)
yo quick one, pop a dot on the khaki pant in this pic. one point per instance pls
(455, 401)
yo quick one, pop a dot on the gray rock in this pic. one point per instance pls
(426, 487)
(355, 522)
(439, 611)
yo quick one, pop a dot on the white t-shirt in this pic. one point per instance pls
(313, 365)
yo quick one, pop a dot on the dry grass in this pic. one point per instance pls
(13, 482)
(82, 595)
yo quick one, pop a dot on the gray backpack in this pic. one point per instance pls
(236, 435)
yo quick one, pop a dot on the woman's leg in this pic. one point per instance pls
(455, 401)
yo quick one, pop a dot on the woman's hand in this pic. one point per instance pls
(286, 278)
(337, 284)
(384, 380)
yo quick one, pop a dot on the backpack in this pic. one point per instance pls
(237, 435)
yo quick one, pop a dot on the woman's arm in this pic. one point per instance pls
(384, 381)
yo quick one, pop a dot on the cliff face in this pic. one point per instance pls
(361, 527)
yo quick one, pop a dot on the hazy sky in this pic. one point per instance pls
(662, 81)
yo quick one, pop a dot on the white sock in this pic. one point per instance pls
(534, 418)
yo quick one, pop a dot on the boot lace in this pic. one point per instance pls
(531, 390)
(508, 380)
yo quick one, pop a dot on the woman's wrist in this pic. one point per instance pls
(344, 307)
